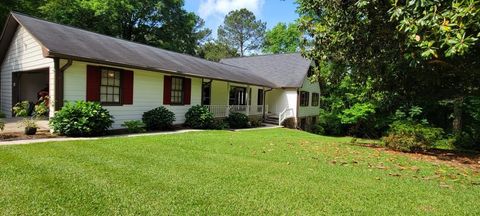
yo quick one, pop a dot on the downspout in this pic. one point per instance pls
(264, 104)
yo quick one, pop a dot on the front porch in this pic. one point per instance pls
(221, 111)
(14, 125)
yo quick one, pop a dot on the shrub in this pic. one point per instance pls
(237, 120)
(134, 126)
(82, 119)
(411, 136)
(219, 124)
(22, 109)
(200, 117)
(2, 115)
(2, 125)
(256, 123)
(41, 109)
(159, 118)
(329, 124)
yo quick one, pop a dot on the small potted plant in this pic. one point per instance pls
(30, 126)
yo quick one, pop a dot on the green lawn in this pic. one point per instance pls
(274, 171)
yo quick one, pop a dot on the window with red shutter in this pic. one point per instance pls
(187, 91)
(109, 86)
(177, 90)
(167, 86)
(127, 87)
(93, 83)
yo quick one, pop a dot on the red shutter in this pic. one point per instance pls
(187, 91)
(94, 77)
(127, 87)
(167, 89)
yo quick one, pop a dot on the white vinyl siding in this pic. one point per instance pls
(280, 99)
(24, 54)
(309, 110)
(147, 94)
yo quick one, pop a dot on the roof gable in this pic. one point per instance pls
(284, 70)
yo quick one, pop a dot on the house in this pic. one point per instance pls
(129, 78)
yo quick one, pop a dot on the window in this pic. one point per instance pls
(176, 97)
(237, 96)
(315, 99)
(260, 97)
(110, 86)
(304, 98)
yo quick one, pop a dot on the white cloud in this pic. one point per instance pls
(219, 8)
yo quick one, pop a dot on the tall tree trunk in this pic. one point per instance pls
(457, 115)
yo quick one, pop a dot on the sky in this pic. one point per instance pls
(269, 11)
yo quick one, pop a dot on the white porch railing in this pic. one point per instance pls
(224, 110)
(285, 114)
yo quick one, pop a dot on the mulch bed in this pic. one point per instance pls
(12, 136)
(469, 159)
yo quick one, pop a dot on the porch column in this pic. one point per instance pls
(249, 91)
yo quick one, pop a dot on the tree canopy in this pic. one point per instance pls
(409, 52)
(215, 51)
(282, 38)
(160, 23)
(242, 30)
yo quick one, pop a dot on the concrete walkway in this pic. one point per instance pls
(61, 139)
(13, 125)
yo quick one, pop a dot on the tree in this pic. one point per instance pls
(446, 36)
(26, 6)
(282, 38)
(242, 30)
(420, 53)
(160, 23)
(215, 51)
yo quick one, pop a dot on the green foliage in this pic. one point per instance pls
(21, 109)
(2, 115)
(219, 124)
(282, 38)
(160, 23)
(82, 119)
(29, 123)
(411, 136)
(215, 51)
(134, 126)
(470, 137)
(411, 132)
(237, 120)
(255, 123)
(159, 118)
(328, 124)
(199, 117)
(438, 29)
(41, 109)
(242, 30)
(2, 124)
(357, 112)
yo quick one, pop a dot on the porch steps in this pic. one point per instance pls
(271, 119)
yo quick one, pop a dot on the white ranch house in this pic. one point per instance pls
(130, 78)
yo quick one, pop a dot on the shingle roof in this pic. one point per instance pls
(69, 42)
(284, 70)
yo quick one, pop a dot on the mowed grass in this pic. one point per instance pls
(274, 171)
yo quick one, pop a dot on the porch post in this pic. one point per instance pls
(249, 91)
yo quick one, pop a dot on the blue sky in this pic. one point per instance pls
(270, 11)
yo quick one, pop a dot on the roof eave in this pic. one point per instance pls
(53, 54)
